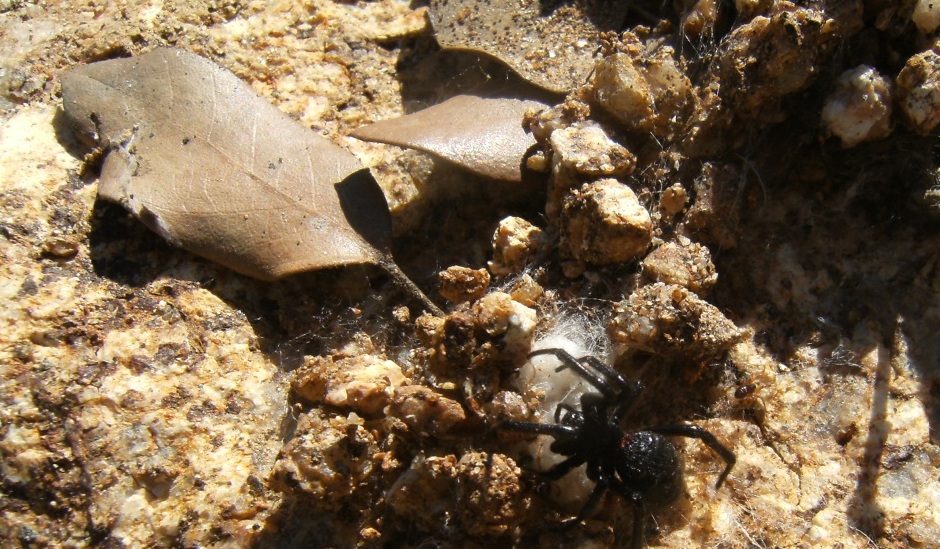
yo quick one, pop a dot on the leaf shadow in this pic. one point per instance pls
(843, 264)
(365, 208)
(430, 75)
(304, 314)
(458, 227)
(124, 250)
(70, 141)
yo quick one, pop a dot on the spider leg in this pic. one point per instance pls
(594, 406)
(624, 405)
(593, 500)
(694, 431)
(562, 468)
(556, 430)
(639, 512)
(627, 387)
(567, 408)
(567, 359)
(595, 372)
(639, 519)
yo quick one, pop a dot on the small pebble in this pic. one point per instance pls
(60, 247)
(586, 149)
(461, 284)
(682, 262)
(674, 199)
(918, 89)
(604, 223)
(926, 15)
(515, 243)
(667, 319)
(859, 109)
(645, 95)
(363, 384)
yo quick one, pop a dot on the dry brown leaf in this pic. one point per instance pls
(483, 135)
(214, 168)
(551, 44)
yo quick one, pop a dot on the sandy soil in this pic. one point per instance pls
(151, 398)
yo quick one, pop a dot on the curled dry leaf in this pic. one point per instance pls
(212, 167)
(550, 44)
(483, 135)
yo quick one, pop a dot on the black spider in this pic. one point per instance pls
(642, 466)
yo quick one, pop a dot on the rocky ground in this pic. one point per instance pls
(738, 207)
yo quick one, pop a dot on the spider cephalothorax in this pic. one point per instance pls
(641, 466)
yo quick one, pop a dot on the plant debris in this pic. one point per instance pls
(550, 44)
(483, 135)
(212, 167)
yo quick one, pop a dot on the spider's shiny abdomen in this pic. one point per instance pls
(648, 463)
